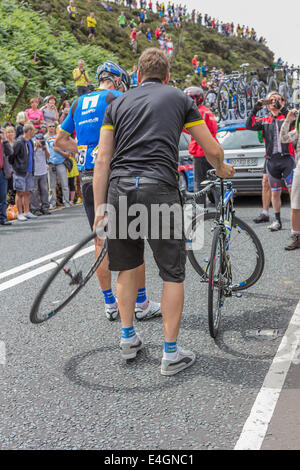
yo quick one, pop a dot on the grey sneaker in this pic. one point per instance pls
(151, 310)
(129, 350)
(275, 226)
(294, 243)
(29, 216)
(185, 359)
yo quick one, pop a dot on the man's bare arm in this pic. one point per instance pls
(212, 149)
(101, 172)
(65, 142)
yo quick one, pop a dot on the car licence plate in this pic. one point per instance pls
(243, 161)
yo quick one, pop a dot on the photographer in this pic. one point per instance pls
(39, 195)
(288, 136)
(81, 79)
(279, 157)
(49, 111)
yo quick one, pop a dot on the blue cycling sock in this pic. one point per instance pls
(170, 347)
(170, 351)
(129, 335)
(141, 297)
(109, 297)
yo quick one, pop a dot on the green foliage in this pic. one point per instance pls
(25, 34)
(42, 27)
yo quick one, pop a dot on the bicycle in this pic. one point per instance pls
(70, 275)
(228, 99)
(231, 258)
(248, 92)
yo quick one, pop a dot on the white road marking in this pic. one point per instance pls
(34, 262)
(36, 272)
(256, 426)
(2, 353)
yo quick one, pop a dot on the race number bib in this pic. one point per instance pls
(81, 155)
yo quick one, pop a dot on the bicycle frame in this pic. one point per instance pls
(225, 212)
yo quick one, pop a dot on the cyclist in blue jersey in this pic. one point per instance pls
(85, 117)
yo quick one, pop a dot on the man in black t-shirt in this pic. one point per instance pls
(137, 164)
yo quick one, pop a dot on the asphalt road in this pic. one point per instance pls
(64, 385)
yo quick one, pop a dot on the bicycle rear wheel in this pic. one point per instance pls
(223, 101)
(68, 277)
(262, 90)
(246, 252)
(216, 282)
(241, 101)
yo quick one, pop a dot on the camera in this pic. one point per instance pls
(41, 139)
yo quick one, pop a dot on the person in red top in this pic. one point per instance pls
(157, 33)
(134, 34)
(194, 61)
(201, 165)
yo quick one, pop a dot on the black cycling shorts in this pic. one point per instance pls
(126, 252)
(280, 171)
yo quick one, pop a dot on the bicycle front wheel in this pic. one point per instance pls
(68, 277)
(216, 282)
(246, 252)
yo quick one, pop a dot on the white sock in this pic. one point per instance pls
(295, 232)
(265, 213)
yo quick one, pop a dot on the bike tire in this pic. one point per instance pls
(215, 283)
(36, 316)
(223, 102)
(254, 87)
(241, 101)
(242, 282)
(262, 91)
(211, 102)
(272, 85)
(284, 91)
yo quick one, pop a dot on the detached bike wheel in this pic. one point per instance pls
(68, 277)
(246, 252)
(216, 283)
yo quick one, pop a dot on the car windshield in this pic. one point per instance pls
(239, 139)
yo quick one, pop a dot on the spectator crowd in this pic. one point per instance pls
(36, 176)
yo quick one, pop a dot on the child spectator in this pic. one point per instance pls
(194, 61)
(133, 76)
(122, 20)
(91, 24)
(149, 35)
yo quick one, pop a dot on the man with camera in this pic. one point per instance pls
(280, 160)
(81, 78)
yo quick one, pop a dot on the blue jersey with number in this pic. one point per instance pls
(86, 117)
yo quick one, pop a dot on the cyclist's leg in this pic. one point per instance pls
(103, 273)
(266, 192)
(275, 181)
